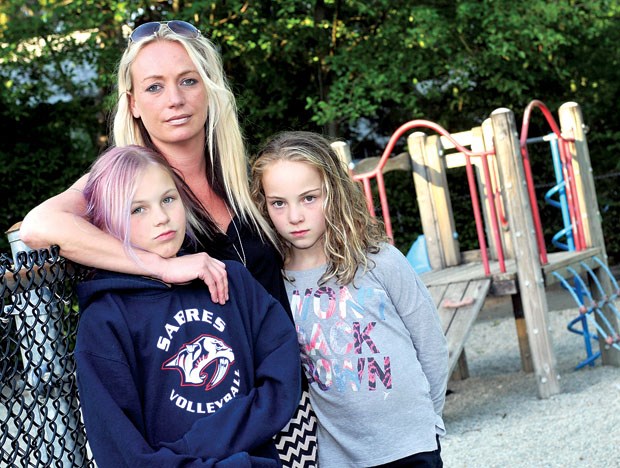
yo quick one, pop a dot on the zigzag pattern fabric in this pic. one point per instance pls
(296, 443)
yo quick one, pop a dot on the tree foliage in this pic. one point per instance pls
(352, 69)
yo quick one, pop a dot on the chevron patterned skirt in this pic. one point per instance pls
(296, 443)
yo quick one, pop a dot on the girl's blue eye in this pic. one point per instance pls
(137, 210)
(277, 204)
(309, 198)
(168, 200)
(189, 82)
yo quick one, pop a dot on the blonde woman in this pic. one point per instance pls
(173, 97)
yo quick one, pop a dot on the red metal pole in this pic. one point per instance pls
(572, 196)
(493, 214)
(528, 170)
(377, 172)
(567, 170)
(476, 206)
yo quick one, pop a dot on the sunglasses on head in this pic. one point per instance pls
(146, 30)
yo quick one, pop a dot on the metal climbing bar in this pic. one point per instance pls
(591, 315)
(562, 203)
(610, 334)
(607, 299)
(568, 176)
(611, 277)
(582, 319)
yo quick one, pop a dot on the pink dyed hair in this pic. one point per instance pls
(111, 187)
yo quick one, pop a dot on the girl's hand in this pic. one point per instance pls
(198, 266)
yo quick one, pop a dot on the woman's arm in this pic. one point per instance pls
(60, 221)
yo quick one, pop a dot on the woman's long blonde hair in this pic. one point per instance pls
(351, 233)
(225, 154)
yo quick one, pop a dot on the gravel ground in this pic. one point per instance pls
(495, 419)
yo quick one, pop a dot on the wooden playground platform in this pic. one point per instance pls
(459, 293)
(506, 283)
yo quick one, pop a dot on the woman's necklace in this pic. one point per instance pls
(242, 254)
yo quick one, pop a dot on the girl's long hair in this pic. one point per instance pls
(351, 233)
(225, 154)
(111, 187)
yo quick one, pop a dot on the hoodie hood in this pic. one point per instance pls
(103, 282)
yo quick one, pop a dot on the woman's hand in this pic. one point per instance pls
(60, 221)
(198, 266)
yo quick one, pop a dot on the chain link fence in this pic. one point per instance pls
(40, 415)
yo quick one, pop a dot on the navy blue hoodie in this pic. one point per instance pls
(167, 378)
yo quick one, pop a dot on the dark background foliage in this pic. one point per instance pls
(355, 70)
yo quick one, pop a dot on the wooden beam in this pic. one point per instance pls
(442, 206)
(458, 305)
(487, 136)
(531, 283)
(343, 150)
(422, 182)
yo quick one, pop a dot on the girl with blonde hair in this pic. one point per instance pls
(373, 349)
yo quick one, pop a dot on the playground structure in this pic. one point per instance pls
(512, 258)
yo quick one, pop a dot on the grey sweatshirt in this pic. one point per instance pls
(376, 359)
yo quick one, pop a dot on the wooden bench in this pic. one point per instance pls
(458, 305)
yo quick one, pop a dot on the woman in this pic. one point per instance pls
(173, 97)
